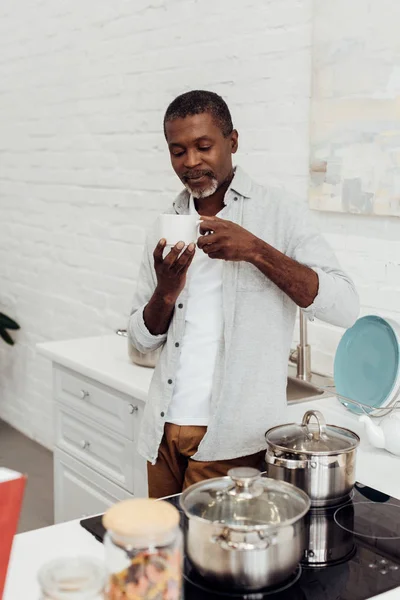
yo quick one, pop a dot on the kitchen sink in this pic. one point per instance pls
(300, 391)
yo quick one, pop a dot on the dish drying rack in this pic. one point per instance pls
(370, 411)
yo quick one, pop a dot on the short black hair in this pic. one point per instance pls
(197, 102)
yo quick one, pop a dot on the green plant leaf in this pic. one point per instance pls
(6, 337)
(7, 322)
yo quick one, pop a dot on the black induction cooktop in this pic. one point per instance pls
(353, 553)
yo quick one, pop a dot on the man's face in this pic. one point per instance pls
(200, 155)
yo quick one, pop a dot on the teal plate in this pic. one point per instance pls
(366, 367)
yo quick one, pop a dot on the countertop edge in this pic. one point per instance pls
(130, 389)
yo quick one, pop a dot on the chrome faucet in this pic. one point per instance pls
(302, 356)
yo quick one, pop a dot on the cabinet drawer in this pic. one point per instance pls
(97, 401)
(80, 491)
(105, 451)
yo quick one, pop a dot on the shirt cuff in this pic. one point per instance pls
(324, 298)
(141, 334)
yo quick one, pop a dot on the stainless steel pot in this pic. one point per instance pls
(150, 359)
(245, 530)
(319, 459)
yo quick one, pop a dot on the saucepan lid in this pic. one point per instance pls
(312, 438)
(245, 500)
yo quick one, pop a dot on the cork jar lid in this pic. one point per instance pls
(141, 518)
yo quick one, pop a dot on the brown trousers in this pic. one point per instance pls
(175, 470)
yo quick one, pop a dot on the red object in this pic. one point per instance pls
(11, 494)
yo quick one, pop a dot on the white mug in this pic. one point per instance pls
(179, 228)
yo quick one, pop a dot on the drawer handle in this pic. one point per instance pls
(84, 394)
(133, 409)
(85, 444)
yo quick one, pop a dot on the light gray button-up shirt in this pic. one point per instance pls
(249, 386)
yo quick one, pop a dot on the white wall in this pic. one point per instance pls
(355, 128)
(355, 108)
(84, 168)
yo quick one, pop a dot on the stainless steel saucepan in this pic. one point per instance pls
(245, 530)
(144, 360)
(319, 459)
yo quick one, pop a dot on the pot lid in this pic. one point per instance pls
(245, 500)
(312, 438)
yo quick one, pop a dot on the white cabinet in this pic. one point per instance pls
(81, 492)
(95, 460)
(98, 402)
(105, 451)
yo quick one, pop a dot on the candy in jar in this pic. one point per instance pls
(144, 554)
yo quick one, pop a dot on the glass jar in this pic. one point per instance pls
(144, 550)
(80, 578)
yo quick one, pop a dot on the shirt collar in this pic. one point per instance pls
(241, 184)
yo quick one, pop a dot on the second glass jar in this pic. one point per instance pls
(144, 550)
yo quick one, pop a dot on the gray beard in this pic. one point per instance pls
(206, 193)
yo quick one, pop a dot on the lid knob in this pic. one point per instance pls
(245, 479)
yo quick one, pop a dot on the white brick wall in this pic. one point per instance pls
(84, 168)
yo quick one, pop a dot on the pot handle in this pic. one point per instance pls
(321, 433)
(291, 463)
(226, 543)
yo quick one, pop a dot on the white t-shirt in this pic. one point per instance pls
(190, 404)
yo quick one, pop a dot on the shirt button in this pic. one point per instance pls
(170, 381)
(180, 305)
(162, 414)
(235, 198)
(177, 345)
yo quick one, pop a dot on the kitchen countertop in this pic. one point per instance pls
(105, 359)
